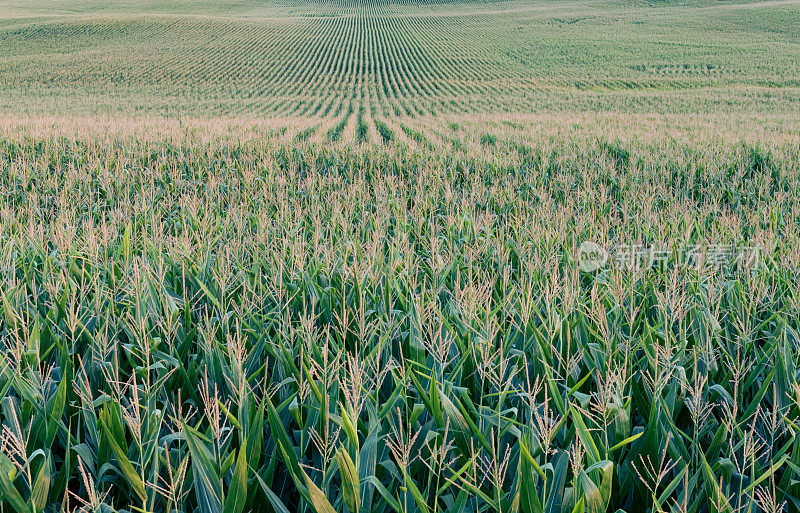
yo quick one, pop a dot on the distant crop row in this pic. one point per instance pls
(312, 65)
(402, 59)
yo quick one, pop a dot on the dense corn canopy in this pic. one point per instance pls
(200, 321)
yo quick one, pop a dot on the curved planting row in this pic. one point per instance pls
(408, 59)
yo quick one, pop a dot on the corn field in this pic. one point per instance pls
(207, 318)
(331, 59)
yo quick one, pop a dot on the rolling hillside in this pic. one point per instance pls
(390, 59)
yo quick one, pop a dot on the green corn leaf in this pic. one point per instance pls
(367, 464)
(227, 463)
(759, 395)
(237, 492)
(254, 434)
(126, 243)
(125, 465)
(528, 496)
(555, 485)
(526, 455)
(350, 482)
(287, 451)
(458, 423)
(10, 494)
(41, 487)
(771, 470)
(349, 427)
(312, 384)
(12, 322)
(273, 499)
(318, 499)
(713, 490)
(585, 437)
(435, 405)
(625, 442)
(670, 488)
(207, 484)
(596, 482)
(55, 409)
(384, 493)
(418, 498)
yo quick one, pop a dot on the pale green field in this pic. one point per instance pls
(397, 59)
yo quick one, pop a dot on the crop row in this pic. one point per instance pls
(308, 65)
